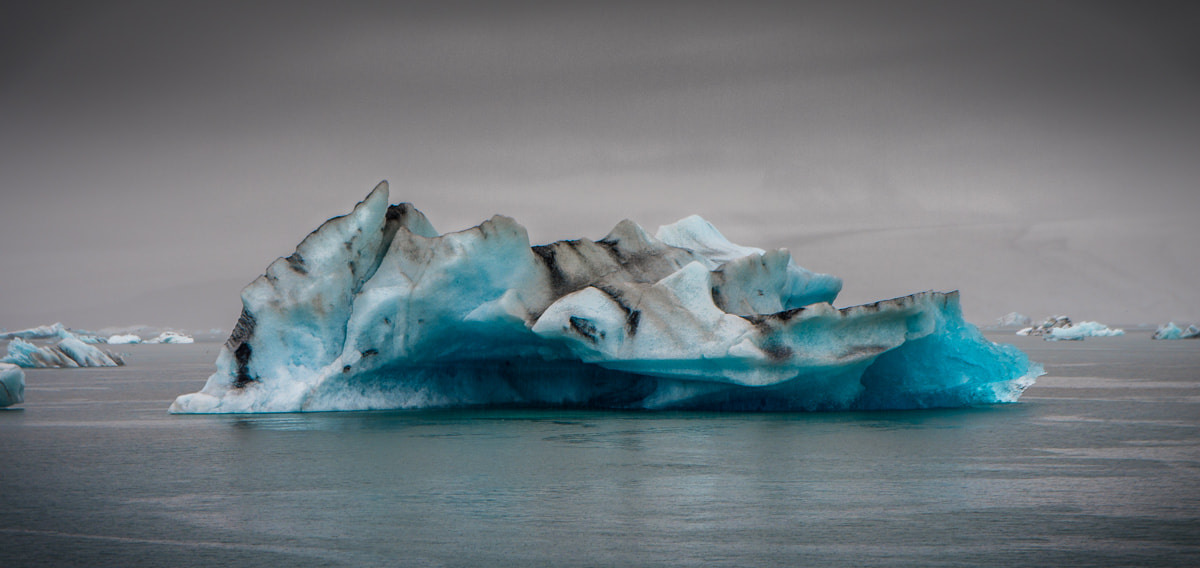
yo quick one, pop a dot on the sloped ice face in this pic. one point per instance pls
(377, 310)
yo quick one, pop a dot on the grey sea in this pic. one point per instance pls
(1098, 465)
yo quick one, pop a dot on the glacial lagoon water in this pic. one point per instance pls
(1098, 465)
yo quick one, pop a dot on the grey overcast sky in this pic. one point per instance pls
(1042, 157)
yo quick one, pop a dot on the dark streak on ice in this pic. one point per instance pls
(296, 262)
(585, 328)
(777, 351)
(718, 298)
(631, 321)
(558, 280)
(242, 354)
(238, 342)
(632, 316)
(766, 319)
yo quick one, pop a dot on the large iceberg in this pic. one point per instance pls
(377, 310)
(12, 385)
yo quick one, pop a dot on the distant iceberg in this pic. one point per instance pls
(69, 351)
(164, 337)
(1013, 319)
(1061, 328)
(39, 332)
(53, 331)
(171, 337)
(1172, 331)
(377, 310)
(12, 385)
(1083, 329)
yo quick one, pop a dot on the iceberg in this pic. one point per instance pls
(1172, 331)
(39, 332)
(1013, 319)
(1061, 328)
(123, 339)
(377, 310)
(70, 351)
(171, 337)
(52, 331)
(1081, 330)
(12, 385)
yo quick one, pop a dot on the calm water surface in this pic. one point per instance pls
(1098, 465)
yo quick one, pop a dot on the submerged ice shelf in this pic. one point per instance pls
(378, 310)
